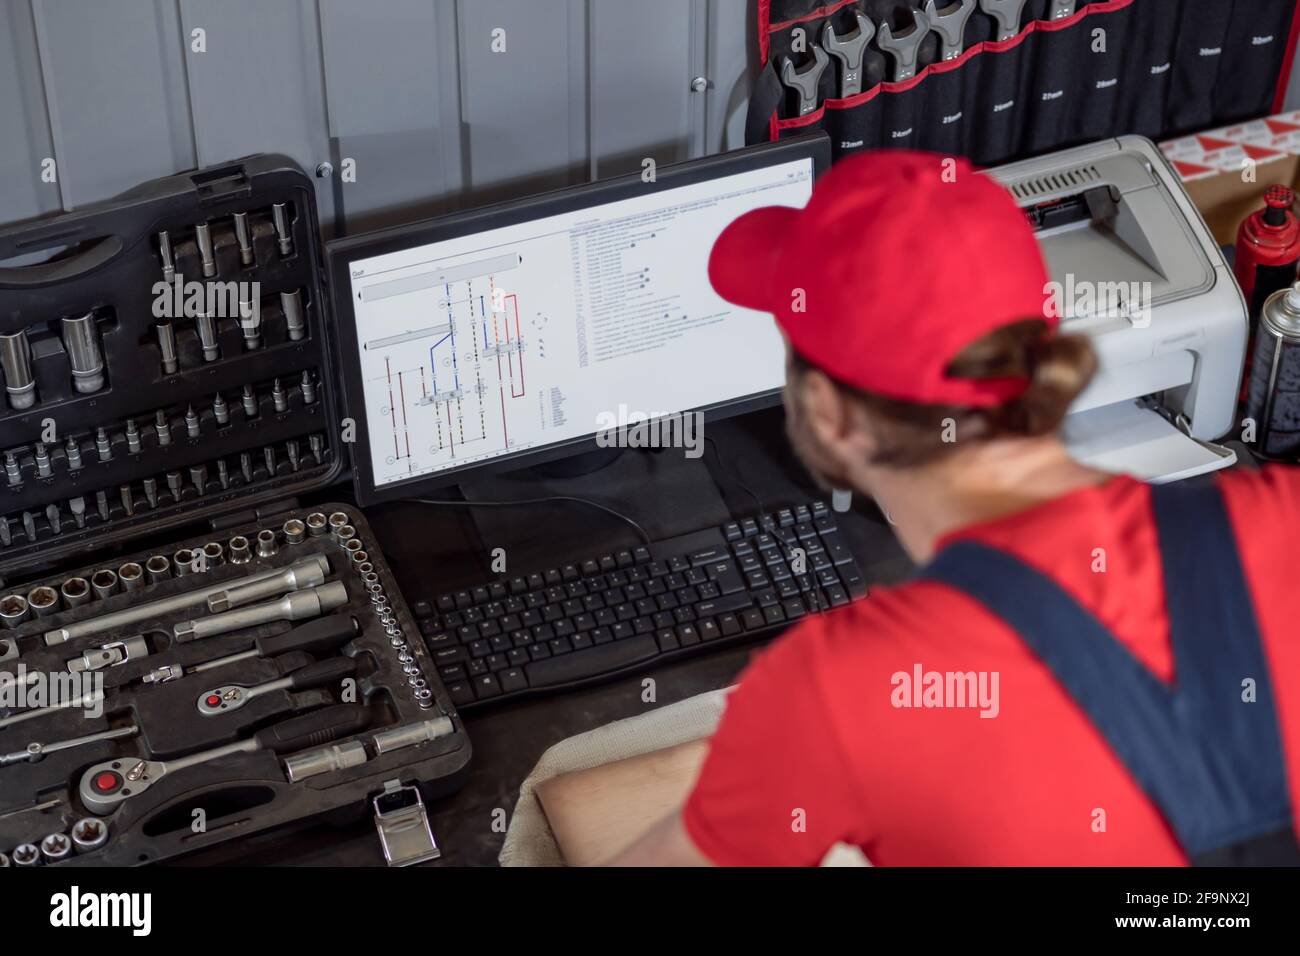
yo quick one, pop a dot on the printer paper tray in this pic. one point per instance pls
(1138, 441)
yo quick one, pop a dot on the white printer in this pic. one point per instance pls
(1135, 268)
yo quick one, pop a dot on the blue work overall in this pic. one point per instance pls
(1205, 755)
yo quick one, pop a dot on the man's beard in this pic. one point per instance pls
(828, 475)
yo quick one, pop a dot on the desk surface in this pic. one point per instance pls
(433, 550)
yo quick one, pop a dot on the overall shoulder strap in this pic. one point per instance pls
(1211, 762)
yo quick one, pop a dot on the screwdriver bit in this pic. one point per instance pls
(203, 236)
(167, 348)
(101, 502)
(317, 447)
(132, 436)
(268, 455)
(250, 402)
(278, 396)
(245, 238)
(165, 250)
(174, 484)
(294, 321)
(77, 506)
(250, 324)
(151, 491)
(192, 422)
(102, 445)
(12, 470)
(246, 466)
(291, 448)
(29, 526)
(206, 325)
(280, 213)
(308, 389)
(128, 500)
(52, 516)
(220, 410)
(73, 450)
(199, 475)
(42, 460)
(223, 474)
(162, 428)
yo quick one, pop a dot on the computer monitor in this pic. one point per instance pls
(513, 334)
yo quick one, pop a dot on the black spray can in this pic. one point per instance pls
(1273, 398)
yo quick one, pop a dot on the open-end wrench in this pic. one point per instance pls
(35, 750)
(111, 782)
(849, 49)
(228, 697)
(1060, 9)
(1006, 13)
(806, 82)
(904, 47)
(950, 24)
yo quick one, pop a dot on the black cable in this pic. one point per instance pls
(448, 502)
(731, 478)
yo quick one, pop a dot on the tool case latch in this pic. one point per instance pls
(403, 825)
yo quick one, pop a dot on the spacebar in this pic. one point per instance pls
(591, 662)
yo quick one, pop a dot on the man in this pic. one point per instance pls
(1087, 669)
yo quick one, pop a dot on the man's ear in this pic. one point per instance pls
(835, 418)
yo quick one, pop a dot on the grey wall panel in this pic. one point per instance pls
(518, 106)
(24, 122)
(258, 87)
(392, 91)
(114, 87)
(409, 89)
(640, 86)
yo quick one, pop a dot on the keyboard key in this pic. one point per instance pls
(480, 648)
(793, 608)
(687, 634)
(461, 693)
(621, 630)
(517, 656)
(463, 600)
(704, 556)
(590, 567)
(623, 558)
(480, 595)
(512, 680)
(446, 603)
(709, 630)
(581, 642)
(641, 554)
(667, 640)
(753, 620)
(773, 614)
(729, 624)
(724, 605)
(486, 687)
(539, 652)
(731, 531)
(476, 667)
(601, 635)
(836, 548)
(452, 672)
(422, 609)
(497, 662)
(497, 591)
(836, 595)
(518, 585)
(591, 663)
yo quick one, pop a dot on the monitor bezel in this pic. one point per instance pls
(340, 253)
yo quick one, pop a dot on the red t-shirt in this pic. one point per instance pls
(812, 749)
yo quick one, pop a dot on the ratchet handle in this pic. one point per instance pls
(318, 727)
(322, 634)
(322, 673)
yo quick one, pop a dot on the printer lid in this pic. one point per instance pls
(1133, 439)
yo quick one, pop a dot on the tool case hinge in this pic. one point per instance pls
(403, 825)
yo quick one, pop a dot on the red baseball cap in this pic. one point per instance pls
(898, 262)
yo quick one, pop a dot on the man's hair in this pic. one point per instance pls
(1058, 368)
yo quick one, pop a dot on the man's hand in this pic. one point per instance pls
(665, 844)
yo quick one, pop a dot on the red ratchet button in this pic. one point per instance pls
(107, 782)
(213, 700)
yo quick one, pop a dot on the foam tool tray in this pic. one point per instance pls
(167, 397)
(307, 716)
(163, 355)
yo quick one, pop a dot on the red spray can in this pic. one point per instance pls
(1268, 250)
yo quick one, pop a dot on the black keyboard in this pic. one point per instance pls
(592, 620)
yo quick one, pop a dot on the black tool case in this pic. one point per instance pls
(126, 483)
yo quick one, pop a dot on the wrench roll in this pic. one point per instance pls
(190, 653)
(995, 80)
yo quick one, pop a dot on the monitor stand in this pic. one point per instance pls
(577, 465)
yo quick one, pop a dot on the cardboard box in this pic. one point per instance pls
(1227, 170)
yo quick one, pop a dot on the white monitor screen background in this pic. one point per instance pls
(518, 338)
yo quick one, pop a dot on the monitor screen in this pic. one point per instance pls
(531, 332)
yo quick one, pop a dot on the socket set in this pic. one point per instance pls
(229, 661)
(162, 353)
(247, 680)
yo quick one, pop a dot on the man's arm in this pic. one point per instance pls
(665, 844)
